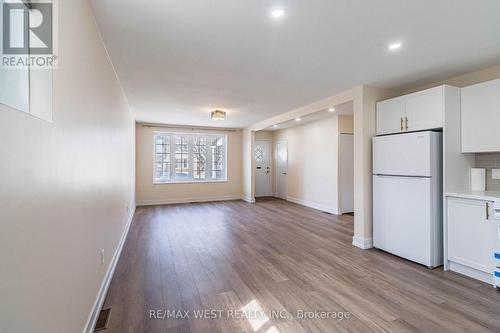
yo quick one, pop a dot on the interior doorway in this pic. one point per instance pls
(263, 184)
(281, 169)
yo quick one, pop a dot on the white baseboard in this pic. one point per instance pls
(324, 208)
(248, 199)
(103, 290)
(188, 200)
(362, 243)
(471, 272)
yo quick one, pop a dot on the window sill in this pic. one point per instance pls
(190, 182)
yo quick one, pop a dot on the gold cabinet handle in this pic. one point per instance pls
(401, 124)
(406, 119)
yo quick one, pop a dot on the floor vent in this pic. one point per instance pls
(102, 321)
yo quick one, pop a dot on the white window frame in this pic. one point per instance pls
(190, 158)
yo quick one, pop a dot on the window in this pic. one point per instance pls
(199, 157)
(181, 157)
(15, 83)
(162, 158)
(189, 157)
(23, 87)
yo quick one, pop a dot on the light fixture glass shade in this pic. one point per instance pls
(218, 115)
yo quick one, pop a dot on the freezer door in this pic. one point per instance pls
(402, 217)
(411, 154)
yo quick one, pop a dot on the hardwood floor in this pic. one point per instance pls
(281, 258)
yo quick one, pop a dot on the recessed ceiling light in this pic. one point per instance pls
(275, 126)
(395, 46)
(298, 119)
(277, 13)
(331, 110)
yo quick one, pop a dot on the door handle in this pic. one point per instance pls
(259, 168)
(284, 173)
(401, 124)
(406, 119)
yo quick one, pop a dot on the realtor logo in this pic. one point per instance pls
(28, 31)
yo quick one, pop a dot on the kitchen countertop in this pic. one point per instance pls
(476, 195)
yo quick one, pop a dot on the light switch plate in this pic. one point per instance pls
(495, 173)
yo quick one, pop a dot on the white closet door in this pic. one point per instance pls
(281, 170)
(346, 171)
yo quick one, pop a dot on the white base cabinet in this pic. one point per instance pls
(470, 238)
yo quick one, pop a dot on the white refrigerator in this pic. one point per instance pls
(407, 196)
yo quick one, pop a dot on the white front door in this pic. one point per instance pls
(263, 168)
(281, 169)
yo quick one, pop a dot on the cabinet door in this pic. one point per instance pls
(424, 109)
(469, 234)
(481, 117)
(390, 116)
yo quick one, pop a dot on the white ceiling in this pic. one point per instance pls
(178, 59)
(345, 109)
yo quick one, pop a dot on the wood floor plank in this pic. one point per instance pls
(282, 258)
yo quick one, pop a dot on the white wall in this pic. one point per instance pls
(364, 131)
(151, 194)
(364, 100)
(312, 163)
(264, 135)
(346, 124)
(486, 74)
(64, 187)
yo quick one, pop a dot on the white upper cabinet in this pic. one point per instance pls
(422, 110)
(481, 117)
(390, 116)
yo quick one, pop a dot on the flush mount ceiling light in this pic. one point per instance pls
(331, 110)
(275, 126)
(395, 46)
(218, 115)
(277, 13)
(298, 119)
